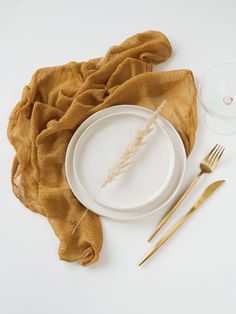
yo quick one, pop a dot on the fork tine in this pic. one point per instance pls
(211, 152)
(218, 156)
(212, 157)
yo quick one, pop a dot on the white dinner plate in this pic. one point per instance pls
(163, 199)
(102, 144)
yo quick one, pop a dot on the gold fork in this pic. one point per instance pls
(206, 166)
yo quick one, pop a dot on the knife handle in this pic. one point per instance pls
(175, 206)
(168, 234)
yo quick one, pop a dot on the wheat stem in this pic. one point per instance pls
(127, 156)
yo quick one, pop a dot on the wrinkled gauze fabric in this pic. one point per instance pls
(58, 99)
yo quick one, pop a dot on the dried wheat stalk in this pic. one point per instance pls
(127, 157)
(132, 149)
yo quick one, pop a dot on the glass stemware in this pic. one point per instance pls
(217, 93)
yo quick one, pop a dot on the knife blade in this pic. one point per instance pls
(207, 192)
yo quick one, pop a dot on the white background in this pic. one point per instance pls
(196, 271)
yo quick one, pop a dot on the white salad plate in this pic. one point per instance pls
(147, 185)
(102, 144)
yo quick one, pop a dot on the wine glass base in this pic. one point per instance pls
(219, 126)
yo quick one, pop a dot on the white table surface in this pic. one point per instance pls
(196, 271)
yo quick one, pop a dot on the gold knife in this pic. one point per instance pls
(205, 195)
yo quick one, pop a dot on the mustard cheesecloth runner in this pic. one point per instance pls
(58, 99)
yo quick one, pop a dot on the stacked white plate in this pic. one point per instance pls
(148, 184)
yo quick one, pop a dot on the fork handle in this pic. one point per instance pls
(168, 234)
(176, 205)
